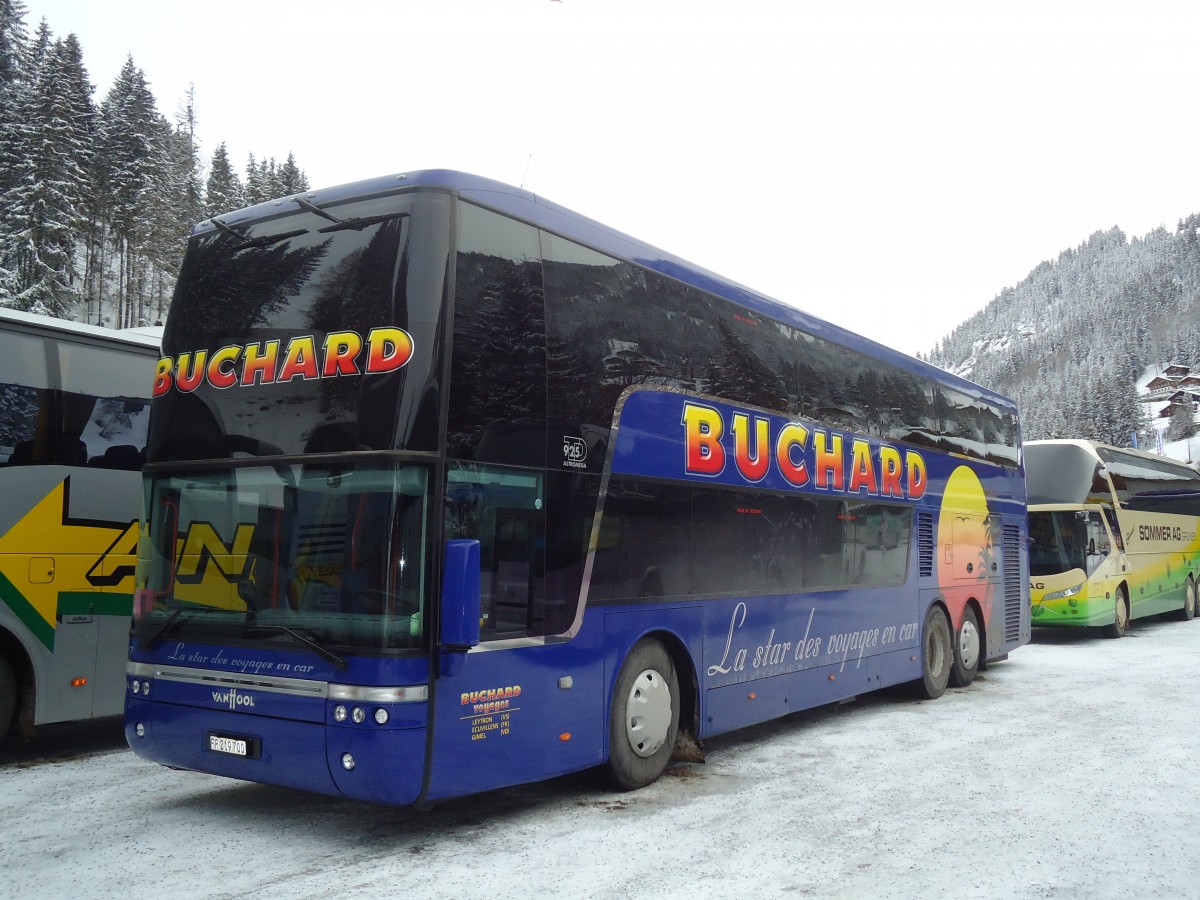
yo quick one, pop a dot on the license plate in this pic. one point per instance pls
(231, 745)
(218, 744)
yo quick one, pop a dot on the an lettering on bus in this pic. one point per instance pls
(804, 455)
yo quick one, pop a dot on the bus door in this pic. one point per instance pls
(69, 692)
(499, 719)
(1104, 552)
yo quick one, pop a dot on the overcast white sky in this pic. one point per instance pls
(889, 166)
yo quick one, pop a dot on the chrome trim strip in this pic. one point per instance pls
(274, 684)
(357, 693)
(269, 683)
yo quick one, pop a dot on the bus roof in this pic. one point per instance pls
(551, 217)
(1112, 455)
(148, 338)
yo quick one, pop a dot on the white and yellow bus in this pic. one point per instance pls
(74, 403)
(1113, 535)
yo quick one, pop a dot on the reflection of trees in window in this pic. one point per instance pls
(225, 292)
(364, 290)
(617, 325)
(741, 376)
(18, 412)
(499, 361)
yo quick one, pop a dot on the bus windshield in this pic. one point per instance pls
(301, 553)
(1060, 541)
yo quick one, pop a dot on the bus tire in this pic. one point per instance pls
(8, 696)
(937, 656)
(968, 649)
(643, 717)
(1121, 613)
(1189, 601)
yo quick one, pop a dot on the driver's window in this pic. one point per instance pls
(502, 509)
(1098, 545)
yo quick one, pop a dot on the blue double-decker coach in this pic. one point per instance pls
(449, 488)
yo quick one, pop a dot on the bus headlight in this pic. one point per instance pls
(1065, 592)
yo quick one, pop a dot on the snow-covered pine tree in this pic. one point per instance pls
(223, 191)
(291, 179)
(129, 155)
(46, 202)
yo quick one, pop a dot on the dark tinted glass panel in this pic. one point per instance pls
(22, 441)
(302, 334)
(498, 375)
(533, 530)
(675, 540)
(1152, 485)
(744, 543)
(612, 325)
(46, 426)
(644, 545)
(570, 508)
(310, 555)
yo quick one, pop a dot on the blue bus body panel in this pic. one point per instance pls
(519, 714)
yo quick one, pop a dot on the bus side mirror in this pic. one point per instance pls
(460, 603)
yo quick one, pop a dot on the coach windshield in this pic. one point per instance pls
(320, 556)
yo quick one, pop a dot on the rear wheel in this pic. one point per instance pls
(8, 695)
(643, 717)
(1121, 613)
(1189, 601)
(937, 655)
(967, 650)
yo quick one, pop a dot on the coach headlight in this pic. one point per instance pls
(1064, 593)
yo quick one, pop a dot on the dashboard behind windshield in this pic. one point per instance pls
(326, 553)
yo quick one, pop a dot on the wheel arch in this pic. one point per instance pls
(689, 684)
(977, 607)
(1123, 586)
(18, 657)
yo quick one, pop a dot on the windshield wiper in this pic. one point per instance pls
(357, 224)
(360, 224)
(228, 229)
(154, 636)
(310, 643)
(246, 243)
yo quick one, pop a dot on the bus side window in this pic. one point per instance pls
(503, 509)
(1114, 528)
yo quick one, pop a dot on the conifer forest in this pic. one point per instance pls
(97, 198)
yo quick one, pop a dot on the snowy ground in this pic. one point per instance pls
(1070, 771)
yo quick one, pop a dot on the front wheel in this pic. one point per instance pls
(967, 650)
(1121, 616)
(937, 655)
(643, 717)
